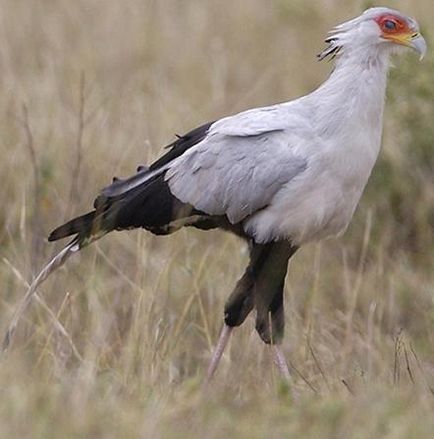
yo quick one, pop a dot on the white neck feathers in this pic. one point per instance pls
(353, 96)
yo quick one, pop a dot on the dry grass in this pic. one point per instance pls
(89, 90)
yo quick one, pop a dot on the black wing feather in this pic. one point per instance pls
(181, 144)
(149, 204)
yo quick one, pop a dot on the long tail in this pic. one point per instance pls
(148, 204)
(53, 265)
(87, 228)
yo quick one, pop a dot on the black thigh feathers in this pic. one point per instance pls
(261, 287)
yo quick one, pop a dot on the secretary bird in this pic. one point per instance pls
(279, 176)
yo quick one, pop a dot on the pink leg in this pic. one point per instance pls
(218, 351)
(279, 360)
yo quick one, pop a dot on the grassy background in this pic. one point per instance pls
(90, 89)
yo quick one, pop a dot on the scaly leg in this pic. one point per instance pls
(218, 351)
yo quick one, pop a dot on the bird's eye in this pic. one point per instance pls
(389, 25)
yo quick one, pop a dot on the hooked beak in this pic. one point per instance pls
(418, 43)
(413, 40)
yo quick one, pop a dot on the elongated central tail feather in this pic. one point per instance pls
(53, 265)
(143, 206)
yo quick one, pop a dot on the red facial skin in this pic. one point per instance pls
(401, 26)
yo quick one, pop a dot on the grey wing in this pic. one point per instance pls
(234, 175)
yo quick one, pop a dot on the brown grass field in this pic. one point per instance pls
(92, 88)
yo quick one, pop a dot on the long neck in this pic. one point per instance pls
(352, 98)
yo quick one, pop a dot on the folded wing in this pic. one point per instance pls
(235, 175)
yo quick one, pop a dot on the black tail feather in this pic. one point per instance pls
(81, 226)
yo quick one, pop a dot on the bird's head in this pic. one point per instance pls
(379, 30)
